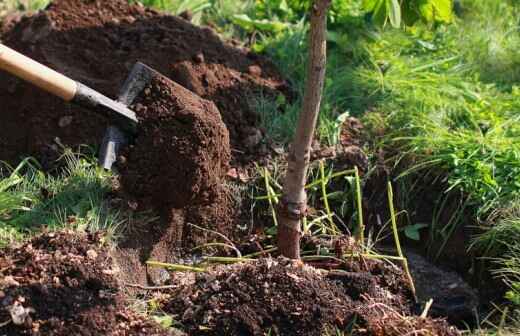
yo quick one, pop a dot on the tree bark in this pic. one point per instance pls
(293, 205)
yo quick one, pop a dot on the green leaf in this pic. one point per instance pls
(370, 5)
(165, 321)
(380, 14)
(436, 10)
(250, 25)
(394, 12)
(412, 231)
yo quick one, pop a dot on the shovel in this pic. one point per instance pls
(123, 120)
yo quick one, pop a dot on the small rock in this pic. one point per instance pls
(233, 173)
(122, 160)
(65, 121)
(19, 314)
(279, 150)
(199, 58)
(91, 254)
(254, 70)
(254, 138)
(186, 15)
(10, 281)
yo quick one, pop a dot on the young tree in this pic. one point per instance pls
(293, 205)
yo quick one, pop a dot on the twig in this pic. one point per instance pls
(3, 324)
(216, 233)
(427, 308)
(150, 287)
(175, 267)
(227, 260)
(259, 253)
(200, 247)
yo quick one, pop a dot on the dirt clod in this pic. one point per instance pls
(64, 284)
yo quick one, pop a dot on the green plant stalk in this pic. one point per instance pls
(259, 253)
(396, 236)
(360, 236)
(270, 196)
(226, 260)
(200, 247)
(373, 256)
(324, 182)
(175, 267)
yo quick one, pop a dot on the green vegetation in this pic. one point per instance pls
(8, 5)
(72, 198)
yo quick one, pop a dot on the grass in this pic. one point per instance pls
(72, 198)
(22, 5)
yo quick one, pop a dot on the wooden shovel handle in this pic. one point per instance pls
(37, 74)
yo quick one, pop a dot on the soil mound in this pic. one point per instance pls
(182, 150)
(97, 42)
(285, 297)
(64, 284)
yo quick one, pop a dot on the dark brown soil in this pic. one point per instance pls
(97, 42)
(65, 284)
(288, 298)
(182, 150)
(176, 168)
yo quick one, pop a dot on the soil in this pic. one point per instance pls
(65, 284)
(290, 298)
(97, 42)
(182, 150)
(176, 168)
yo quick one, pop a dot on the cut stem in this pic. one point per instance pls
(396, 237)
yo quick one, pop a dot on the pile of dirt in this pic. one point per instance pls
(286, 297)
(97, 42)
(175, 168)
(64, 284)
(182, 150)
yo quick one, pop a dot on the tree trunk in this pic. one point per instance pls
(293, 205)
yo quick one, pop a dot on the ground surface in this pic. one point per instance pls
(65, 284)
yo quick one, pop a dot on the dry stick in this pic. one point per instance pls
(151, 287)
(427, 307)
(175, 267)
(396, 237)
(3, 324)
(294, 200)
(220, 235)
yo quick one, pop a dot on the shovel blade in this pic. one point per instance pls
(115, 139)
